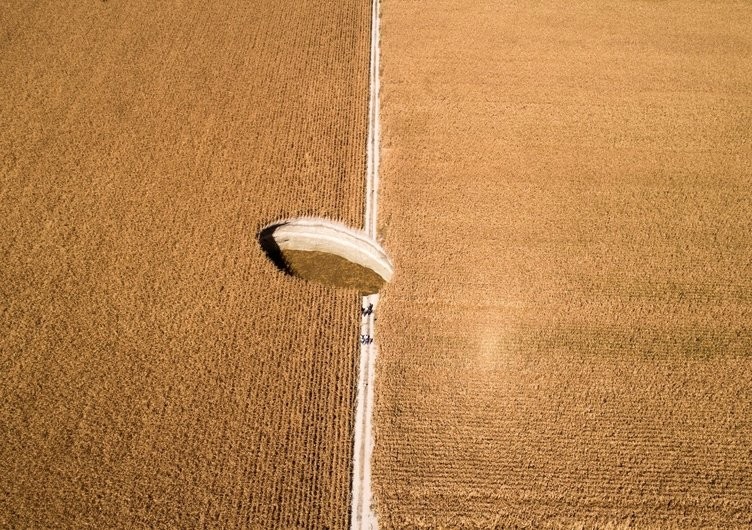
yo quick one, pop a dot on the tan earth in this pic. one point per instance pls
(567, 199)
(156, 370)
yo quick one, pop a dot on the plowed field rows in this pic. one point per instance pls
(567, 198)
(155, 369)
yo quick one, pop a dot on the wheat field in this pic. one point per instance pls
(565, 193)
(156, 370)
(567, 197)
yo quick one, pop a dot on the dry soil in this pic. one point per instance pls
(156, 370)
(567, 198)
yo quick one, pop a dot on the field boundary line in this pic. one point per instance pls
(362, 516)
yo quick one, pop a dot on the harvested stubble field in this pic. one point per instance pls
(567, 197)
(155, 369)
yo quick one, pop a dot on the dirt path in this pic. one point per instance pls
(567, 197)
(155, 369)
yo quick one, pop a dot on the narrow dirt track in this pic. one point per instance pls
(155, 369)
(567, 197)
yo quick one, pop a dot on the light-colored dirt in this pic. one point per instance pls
(156, 370)
(567, 198)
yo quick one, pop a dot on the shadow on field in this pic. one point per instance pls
(269, 245)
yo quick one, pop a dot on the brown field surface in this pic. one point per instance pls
(155, 369)
(567, 198)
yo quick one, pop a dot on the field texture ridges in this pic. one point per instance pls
(567, 199)
(156, 370)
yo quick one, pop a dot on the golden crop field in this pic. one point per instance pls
(156, 370)
(565, 191)
(567, 197)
